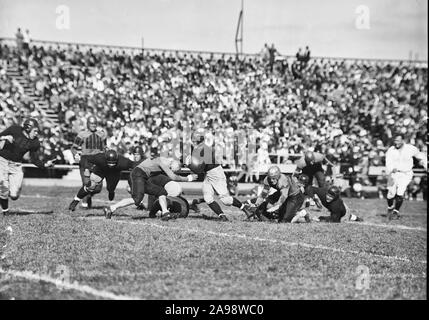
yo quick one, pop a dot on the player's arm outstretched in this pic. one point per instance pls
(165, 166)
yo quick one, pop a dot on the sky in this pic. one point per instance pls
(385, 29)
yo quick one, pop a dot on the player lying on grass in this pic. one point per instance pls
(15, 142)
(203, 161)
(107, 165)
(286, 203)
(328, 198)
(178, 207)
(141, 183)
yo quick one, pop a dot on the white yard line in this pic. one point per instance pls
(66, 285)
(243, 236)
(392, 226)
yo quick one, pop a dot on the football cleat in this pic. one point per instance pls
(73, 205)
(107, 212)
(194, 206)
(395, 215)
(222, 217)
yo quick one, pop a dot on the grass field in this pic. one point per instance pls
(84, 256)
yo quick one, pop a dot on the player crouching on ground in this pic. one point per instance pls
(141, 182)
(288, 199)
(328, 198)
(15, 142)
(173, 188)
(99, 166)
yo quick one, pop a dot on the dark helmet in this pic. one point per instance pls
(91, 120)
(138, 150)
(304, 179)
(111, 158)
(309, 157)
(30, 124)
(334, 192)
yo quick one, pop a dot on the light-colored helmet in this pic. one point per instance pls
(274, 172)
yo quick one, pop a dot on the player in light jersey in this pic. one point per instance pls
(88, 142)
(141, 184)
(399, 167)
(287, 200)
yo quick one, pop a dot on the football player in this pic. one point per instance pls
(141, 183)
(287, 200)
(107, 165)
(16, 141)
(203, 161)
(178, 207)
(328, 198)
(311, 165)
(88, 142)
(399, 167)
(173, 189)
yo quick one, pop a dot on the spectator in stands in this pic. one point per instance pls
(334, 104)
(26, 41)
(19, 39)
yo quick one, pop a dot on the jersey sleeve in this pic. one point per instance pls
(300, 163)
(7, 131)
(78, 141)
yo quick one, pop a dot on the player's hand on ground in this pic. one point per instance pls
(192, 177)
(8, 138)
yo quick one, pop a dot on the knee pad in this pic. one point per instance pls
(227, 200)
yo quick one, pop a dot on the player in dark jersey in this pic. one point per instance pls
(178, 207)
(88, 142)
(102, 166)
(288, 200)
(311, 165)
(15, 142)
(328, 198)
(173, 189)
(203, 161)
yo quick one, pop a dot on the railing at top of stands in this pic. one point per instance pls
(82, 46)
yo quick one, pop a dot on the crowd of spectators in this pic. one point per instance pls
(346, 109)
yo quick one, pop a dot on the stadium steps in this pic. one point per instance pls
(40, 103)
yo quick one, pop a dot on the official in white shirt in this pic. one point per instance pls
(399, 167)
